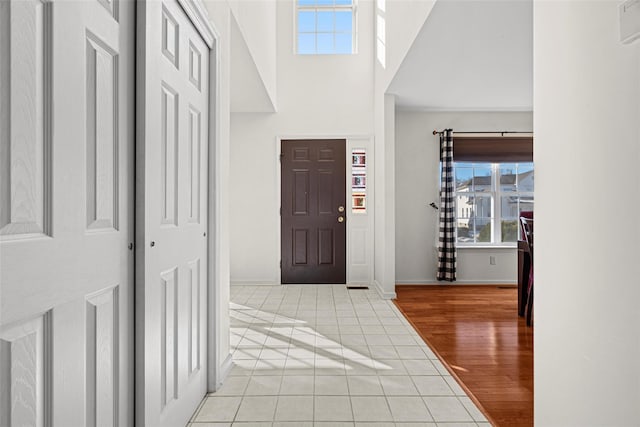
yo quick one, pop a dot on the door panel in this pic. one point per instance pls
(171, 217)
(25, 108)
(325, 246)
(313, 188)
(66, 212)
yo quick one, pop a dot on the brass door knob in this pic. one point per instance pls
(340, 209)
(341, 219)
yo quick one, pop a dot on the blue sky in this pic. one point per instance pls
(325, 32)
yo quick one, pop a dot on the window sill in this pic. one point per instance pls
(500, 247)
(315, 54)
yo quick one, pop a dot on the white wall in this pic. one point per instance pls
(587, 151)
(417, 180)
(322, 96)
(257, 21)
(319, 96)
(384, 254)
(403, 19)
(248, 91)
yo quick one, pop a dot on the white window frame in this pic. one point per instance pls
(353, 7)
(381, 32)
(495, 194)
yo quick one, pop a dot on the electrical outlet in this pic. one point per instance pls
(492, 260)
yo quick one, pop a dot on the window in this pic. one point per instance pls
(488, 194)
(325, 26)
(381, 36)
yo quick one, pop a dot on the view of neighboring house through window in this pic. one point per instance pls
(488, 194)
(325, 26)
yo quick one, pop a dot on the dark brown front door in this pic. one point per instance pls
(313, 211)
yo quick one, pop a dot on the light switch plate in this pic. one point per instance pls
(629, 21)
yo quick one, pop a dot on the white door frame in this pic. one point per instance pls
(366, 141)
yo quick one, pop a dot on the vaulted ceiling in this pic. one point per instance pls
(471, 55)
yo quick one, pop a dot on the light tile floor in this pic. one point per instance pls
(323, 355)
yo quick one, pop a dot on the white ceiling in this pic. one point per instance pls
(470, 55)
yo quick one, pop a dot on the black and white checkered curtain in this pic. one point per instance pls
(447, 238)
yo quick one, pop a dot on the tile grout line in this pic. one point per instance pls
(358, 308)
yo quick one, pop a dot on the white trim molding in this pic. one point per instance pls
(225, 369)
(215, 276)
(382, 293)
(255, 283)
(199, 17)
(432, 282)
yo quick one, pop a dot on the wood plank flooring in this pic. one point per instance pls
(477, 333)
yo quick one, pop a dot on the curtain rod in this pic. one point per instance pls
(503, 133)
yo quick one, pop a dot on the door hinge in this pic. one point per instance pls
(280, 263)
(281, 156)
(280, 210)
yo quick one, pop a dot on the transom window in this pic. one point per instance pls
(488, 195)
(325, 27)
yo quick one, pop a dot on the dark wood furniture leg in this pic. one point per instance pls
(524, 263)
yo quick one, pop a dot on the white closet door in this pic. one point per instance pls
(66, 212)
(173, 96)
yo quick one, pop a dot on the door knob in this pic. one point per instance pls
(340, 209)
(340, 218)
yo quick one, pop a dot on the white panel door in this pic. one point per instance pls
(66, 212)
(173, 96)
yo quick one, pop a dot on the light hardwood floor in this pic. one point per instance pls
(476, 331)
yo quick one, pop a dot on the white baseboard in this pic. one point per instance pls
(358, 283)
(225, 369)
(457, 282)
(382, 293)
(268, 283)
(253, 283)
